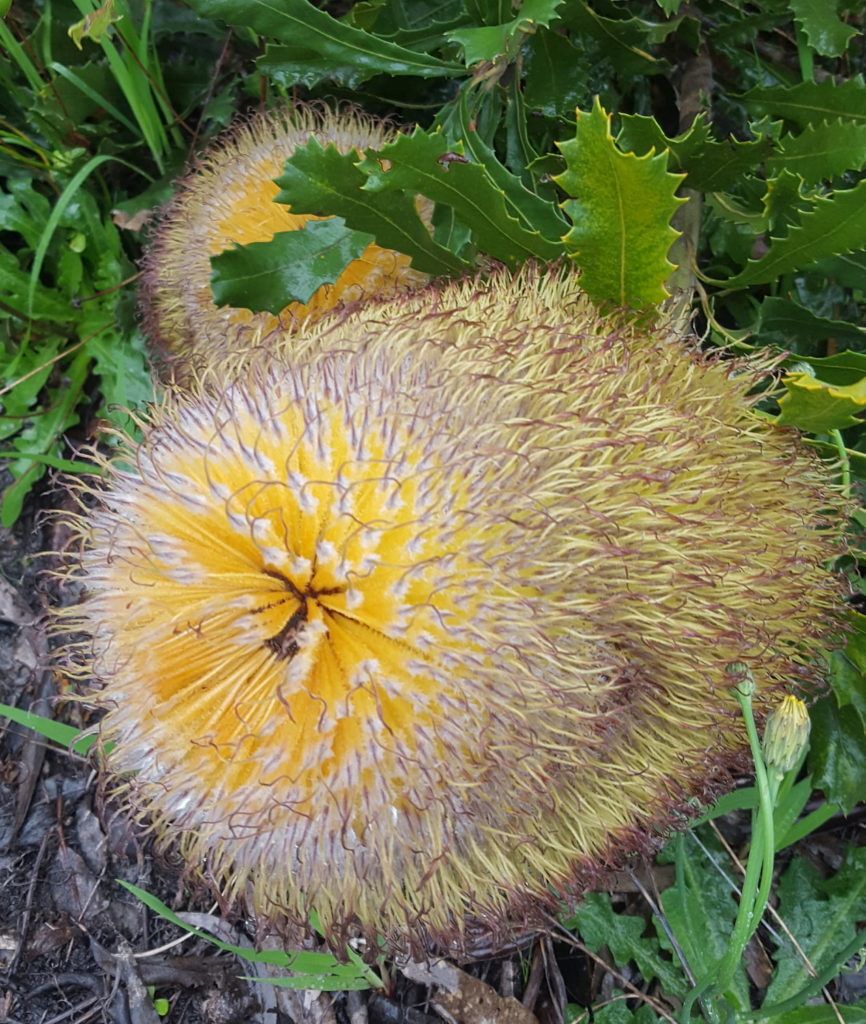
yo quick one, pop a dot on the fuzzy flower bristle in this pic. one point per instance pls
(229, 198)
(433, 620)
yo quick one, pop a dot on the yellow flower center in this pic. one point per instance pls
(305, 577)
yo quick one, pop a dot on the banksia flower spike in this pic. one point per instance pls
(228, 198)
(433, 622)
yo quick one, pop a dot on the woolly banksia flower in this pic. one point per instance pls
(228, 198)
(432, 623)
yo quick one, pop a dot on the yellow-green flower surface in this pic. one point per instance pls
(432, 621)
(786, 734)
(228, 198)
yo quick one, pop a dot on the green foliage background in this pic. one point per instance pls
(710, 153)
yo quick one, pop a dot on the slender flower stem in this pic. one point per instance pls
(761, 854)
(759, 867)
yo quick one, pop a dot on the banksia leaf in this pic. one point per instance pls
(621, 214)
(825, 31)
(814, 405)
(227, 200)
(431, 621)
(491, 41)
(291, 267)
(426, 163)
(821, 151)
(835, 225)
(709, 164)
(810, 103)
(296, 22)
(319, 179)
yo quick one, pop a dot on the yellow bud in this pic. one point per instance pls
(786, 734)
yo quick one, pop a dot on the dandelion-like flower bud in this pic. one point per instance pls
(786, 734)
(228, 198)
(433, 621)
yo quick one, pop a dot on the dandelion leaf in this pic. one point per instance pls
(821, 914)
(837, 756)
(623, 934)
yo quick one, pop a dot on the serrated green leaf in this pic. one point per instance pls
(557, 75)
(821, 915)
(821, 151)
(126, 383)
(621, 214)
(848, 270)
(709, 165)
(810, 103)
(842, 368)
(298, 23)
(616, 1011)
(784, 203)
(425, 164)
(537, 214)
(623, 935)
(834, 225)
(293, 65)
(813, 405)
(837, 755)
(491, 41)
(848, 683)
(825, 31)
(423, 27)
(15, 288)
(22, 379)
(321, 180)
(786, 323)
(626, 41)
(290, 267)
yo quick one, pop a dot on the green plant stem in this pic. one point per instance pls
(753, 900)
(759, 871)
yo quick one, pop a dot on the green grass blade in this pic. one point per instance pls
(92, 94)
(65, 736)
(62, 203)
